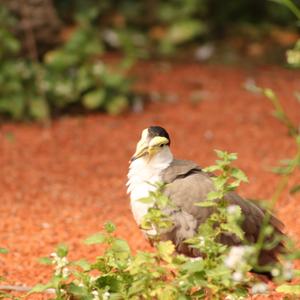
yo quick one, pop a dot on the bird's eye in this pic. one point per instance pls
(161, 145)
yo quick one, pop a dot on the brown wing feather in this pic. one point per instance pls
(187, 184)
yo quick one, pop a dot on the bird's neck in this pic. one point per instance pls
(143, 174)
(145, 170)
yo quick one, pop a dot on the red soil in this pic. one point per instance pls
(62, 182)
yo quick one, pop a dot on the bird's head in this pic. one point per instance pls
(153, 141)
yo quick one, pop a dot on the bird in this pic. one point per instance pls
(185, 183)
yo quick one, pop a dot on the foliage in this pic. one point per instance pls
(72, 74)
(293, 55)
(149, 24)
(285, 170)
(290, 5)
(4, 295)
(287, 166)
(221, 272)
(145, 27)
(290, 165)
(3, 250)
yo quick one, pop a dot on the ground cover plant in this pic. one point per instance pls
(221, 273)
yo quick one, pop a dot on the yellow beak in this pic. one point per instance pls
(144, 146)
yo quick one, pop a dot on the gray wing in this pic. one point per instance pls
(186, 184)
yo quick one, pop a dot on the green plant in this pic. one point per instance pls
(286, 169)
(222, 271)
(73, 74)
(3, 294)
(293, 55)
(140, 29)
(287, 166)
(160, 27)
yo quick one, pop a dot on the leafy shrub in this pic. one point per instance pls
(140, 28)
(143, 28)
(72, 74)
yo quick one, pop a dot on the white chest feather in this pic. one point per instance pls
(143, 173)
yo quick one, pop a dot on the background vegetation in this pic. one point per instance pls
(53, 55)
(39, 77)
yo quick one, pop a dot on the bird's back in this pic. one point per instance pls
(187, 184)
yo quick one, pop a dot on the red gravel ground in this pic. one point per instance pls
(60, 183)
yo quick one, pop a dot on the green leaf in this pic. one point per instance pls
(296, 273)
(94, 99)
(211, 169)
(295, 189)
(206, 204)
(109, 227)
(219, 182)
(214, 195)
(233, 228)
(117, 105)
(162, 201)
(233, 185)
(3, 251)
(220, 154)
(45, 260)
(114, 80)
(83, 264)
(39, 109)
(185, 30)
(193, 266)
(165, 250)
(232, 156)
(288, 289)
(278, 115)
(120, 245)
(39, 288)
(146, 200)
(219, 271)
(282, 170)
(291, 6)
(108, 281)
(239, 174)
(62, 250)
(269, 94)
(77, 290)
(97, 238)
(14, 106)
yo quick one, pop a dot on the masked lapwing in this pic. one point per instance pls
(185, 183)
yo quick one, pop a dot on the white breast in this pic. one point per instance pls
(143, 173)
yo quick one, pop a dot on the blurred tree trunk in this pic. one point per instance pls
(38, 25)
